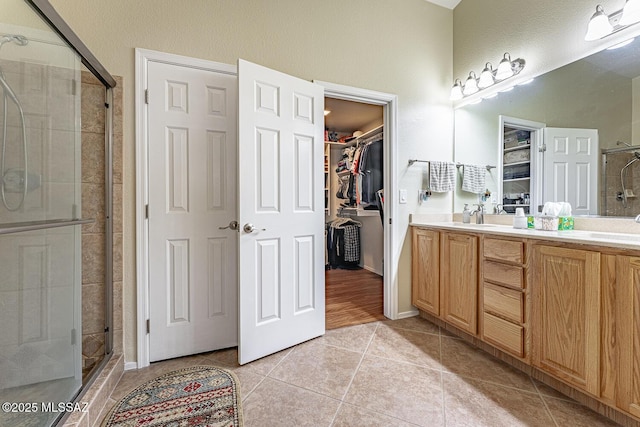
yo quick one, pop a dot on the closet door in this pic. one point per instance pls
(281, 208)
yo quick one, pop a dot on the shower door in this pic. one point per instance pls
(40, 231)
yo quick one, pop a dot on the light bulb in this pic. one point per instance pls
(599, 25)
(471, 85)
(630, 12)
(504, 70)
(456, 91)
(486, 77)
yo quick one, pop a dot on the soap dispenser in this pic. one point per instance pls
(466, 214)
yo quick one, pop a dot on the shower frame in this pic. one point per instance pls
(46, 11)
(604, 153)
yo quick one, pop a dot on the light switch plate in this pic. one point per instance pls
(403, 196)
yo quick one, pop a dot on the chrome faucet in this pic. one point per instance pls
(479, 213)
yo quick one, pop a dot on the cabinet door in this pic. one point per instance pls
(566, 303)
(459, 280)
(425, 270)
(628, 331)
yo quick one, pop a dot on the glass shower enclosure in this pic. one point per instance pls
(42, 217)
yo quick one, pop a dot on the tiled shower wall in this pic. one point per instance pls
(93, 206)
(614, 207)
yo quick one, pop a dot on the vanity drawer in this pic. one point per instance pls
(504, 274)
(503, 334)
(504, 302)
(504, 250)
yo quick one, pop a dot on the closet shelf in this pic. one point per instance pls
(358, 212)
(519, 147)
(526, 162)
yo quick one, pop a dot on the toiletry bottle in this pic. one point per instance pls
(466, 214)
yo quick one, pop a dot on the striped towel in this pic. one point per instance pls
(442, 176)
(473, 178)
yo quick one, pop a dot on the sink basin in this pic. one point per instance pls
(461, 224)
(612, 236)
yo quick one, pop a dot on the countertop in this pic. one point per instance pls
(599, 238)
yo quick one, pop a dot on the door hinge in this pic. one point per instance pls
(74, 87)
(146, 211)
(148, 325)
(73, 337)
(390, 221)
(146, 96)
(542, 148)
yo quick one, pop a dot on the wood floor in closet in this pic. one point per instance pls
(353, 297)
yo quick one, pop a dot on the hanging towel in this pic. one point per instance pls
(473, 178)
(442, 176)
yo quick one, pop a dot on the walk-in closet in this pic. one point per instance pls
(354, 206)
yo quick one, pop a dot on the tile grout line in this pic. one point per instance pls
(364, 352)
(266, 376)
(544, 402)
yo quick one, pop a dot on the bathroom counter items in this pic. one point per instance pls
(616, 240)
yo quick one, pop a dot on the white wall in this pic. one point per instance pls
(400, 47)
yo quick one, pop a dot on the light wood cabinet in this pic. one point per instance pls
(566, 315)
(502, 299)
(570, 312)
(425, 270)
(628, 332)
(459, 280)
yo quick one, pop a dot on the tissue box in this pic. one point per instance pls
(565, 223)
(550, 223)
(545, 222)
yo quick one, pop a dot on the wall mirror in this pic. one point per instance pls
(599, 94)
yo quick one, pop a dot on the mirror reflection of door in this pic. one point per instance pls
(570, 171)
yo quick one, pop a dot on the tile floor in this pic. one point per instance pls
(389, 373)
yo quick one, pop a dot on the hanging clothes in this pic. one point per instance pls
(371, 164)
(343, 243)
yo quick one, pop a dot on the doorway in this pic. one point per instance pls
(303, 106)
(354, 217)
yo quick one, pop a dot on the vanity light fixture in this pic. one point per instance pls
(471, 85)
(602, 25)
(456, 91)
(488, 77)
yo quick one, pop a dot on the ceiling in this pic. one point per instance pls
(349, 116)
(449, 4)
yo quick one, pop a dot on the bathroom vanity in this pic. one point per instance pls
(562, 306)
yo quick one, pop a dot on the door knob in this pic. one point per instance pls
(249, 228)
(232, 225)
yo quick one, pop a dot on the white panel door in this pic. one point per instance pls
(570, 165)
(281, 196)
(192, 193)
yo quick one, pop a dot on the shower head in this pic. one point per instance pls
(622, 142)
(15, 38)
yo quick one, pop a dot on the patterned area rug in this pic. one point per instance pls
(195, 397)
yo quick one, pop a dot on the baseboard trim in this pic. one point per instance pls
(129, 366)
(373, 270)
(406, 314)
